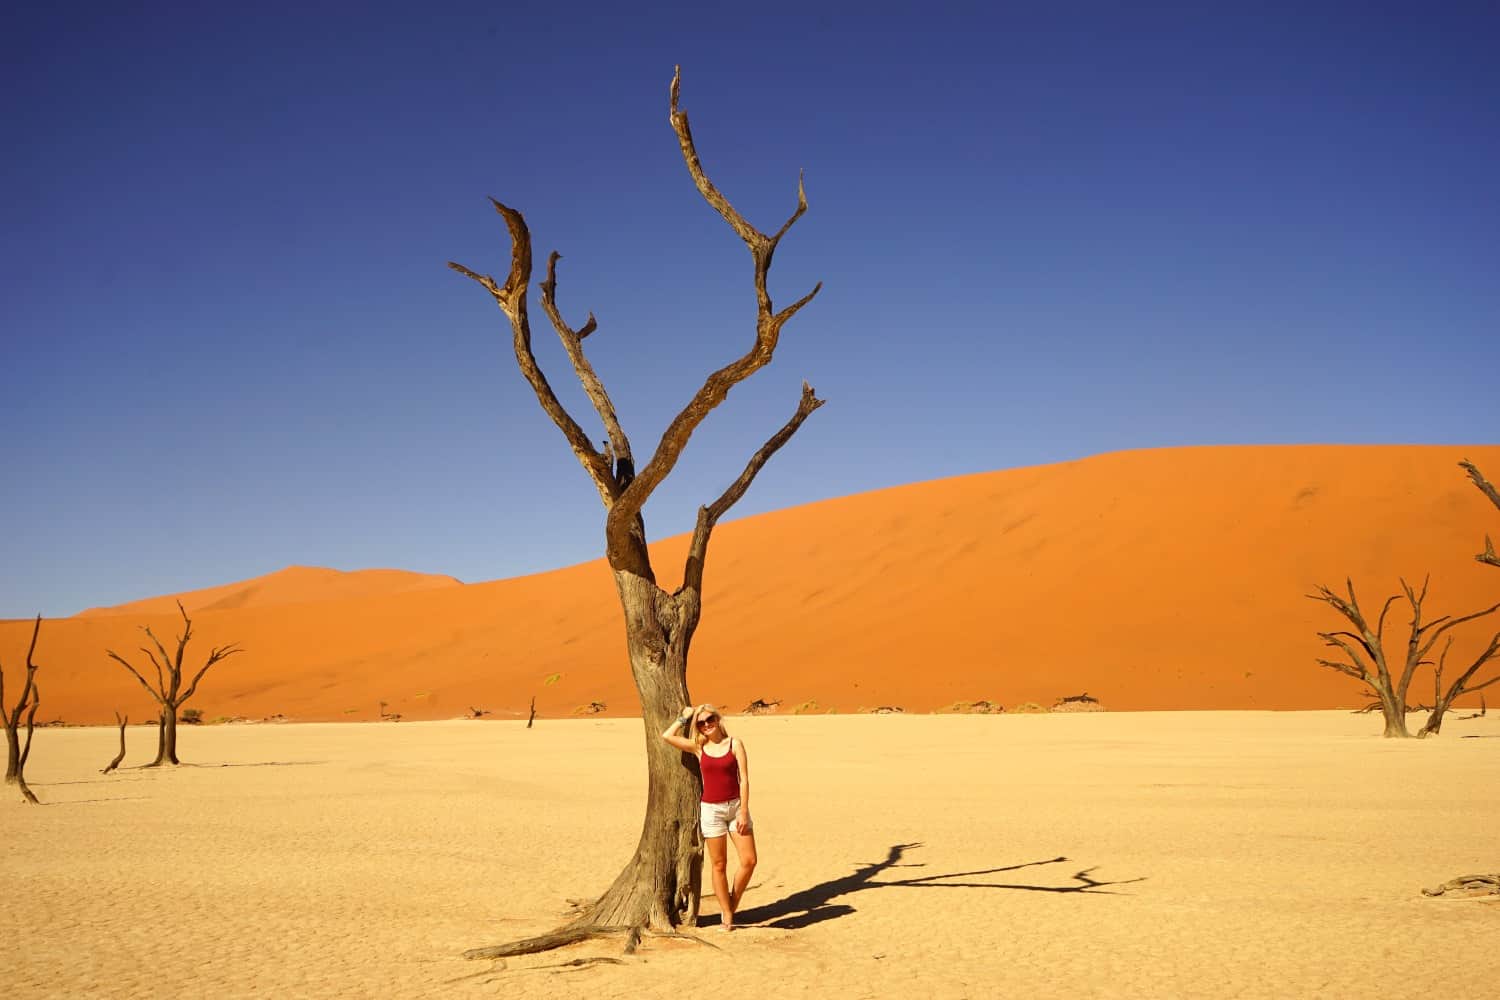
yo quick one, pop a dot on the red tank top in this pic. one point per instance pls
(721, 776)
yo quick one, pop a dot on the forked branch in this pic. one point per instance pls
(768, 324)
(692, 577)
(511, 297)
(572, 341)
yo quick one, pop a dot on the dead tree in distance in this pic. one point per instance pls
(1366, 656)
(121, 755)
(16, 754)
(1488, 556)
(658, 889)
(169, 692)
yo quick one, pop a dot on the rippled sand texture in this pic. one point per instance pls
(1138, 855)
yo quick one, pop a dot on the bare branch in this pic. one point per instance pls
(1455, 622)
(1479, 481)
(1461, 683)
(36, 702)
(767, 326)
(512, 300)
(163, 668)
(692, 577)
(158, 695)
(13, 718)
(1343, 668)
(222, 653)
(572, 341)
(1479, 687)
(1355, 663)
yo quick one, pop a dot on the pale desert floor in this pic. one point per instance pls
(1236, 854)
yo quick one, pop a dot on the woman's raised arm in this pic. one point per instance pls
(683, 718)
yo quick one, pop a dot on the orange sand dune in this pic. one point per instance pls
(1166, 579)
(293, 585)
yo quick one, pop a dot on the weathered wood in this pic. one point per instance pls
(1469, 885)
(659, 888)
(123, 721)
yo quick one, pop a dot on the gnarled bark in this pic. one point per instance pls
(658, 890)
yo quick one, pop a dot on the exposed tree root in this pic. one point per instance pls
(1468, 885)
(573, 935)
(546, 942)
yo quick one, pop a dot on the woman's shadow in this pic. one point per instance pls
(815, 904)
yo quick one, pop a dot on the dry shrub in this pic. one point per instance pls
(1030, 708)
(805, 708)
(1091, 705)
(760, 706)
(980, 707)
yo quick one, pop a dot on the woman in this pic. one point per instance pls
(725, 810)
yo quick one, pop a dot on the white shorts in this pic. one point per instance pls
(717, 818)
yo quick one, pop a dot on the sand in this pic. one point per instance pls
(1165, 579)
(1229, 854)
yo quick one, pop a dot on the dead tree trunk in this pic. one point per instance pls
(15, 752)
(659, 887)
(531, 717)
(121, 755)
(169, 692)
(1366, 655)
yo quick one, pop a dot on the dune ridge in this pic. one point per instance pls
(291, 585)
(1160, 579)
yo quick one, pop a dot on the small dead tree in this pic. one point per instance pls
(16, 754)
(1366, 656)
(169, 692)
(1442, 700)
(658, 889)
(1488, 556)
(121, 755)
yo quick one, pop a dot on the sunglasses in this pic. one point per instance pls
(708, 721)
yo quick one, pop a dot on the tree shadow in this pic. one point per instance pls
(166, 769)
(816, 904)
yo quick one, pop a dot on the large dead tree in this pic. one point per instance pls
(1488, 556)
(16, 753)
(658, 890)
(1366, 659)
(169, 693)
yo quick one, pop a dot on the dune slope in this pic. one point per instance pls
(1166, 579)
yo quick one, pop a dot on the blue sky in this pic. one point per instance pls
(231, 343)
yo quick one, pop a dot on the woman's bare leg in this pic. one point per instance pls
(744, 846)
(718, 858)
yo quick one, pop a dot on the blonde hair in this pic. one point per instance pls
(702, 710)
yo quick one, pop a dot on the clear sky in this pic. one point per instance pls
(1044, 231)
